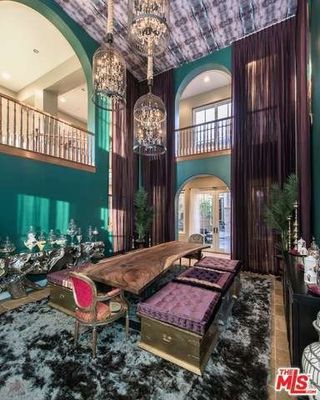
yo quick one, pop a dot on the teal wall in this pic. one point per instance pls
(218, 166)
(46, 195)
(315, 49)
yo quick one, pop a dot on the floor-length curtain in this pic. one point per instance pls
(124, 171)
(263, 149)
(303, 118)
(158, 175)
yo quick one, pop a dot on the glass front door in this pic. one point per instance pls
(212, 212)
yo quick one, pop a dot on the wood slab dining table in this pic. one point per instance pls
(135, 271)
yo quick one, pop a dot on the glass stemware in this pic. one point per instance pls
(90, 234)
(41, 241)
(95, 233)
(72, 230)
(7, 247)
(79, 236)
(52, 238)
(61, 241)
(31, 241)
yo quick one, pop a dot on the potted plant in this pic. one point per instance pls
(143, 216)
(281, 206)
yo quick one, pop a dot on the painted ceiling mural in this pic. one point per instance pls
(198, 27)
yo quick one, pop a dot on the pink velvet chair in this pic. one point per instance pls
(95, 309)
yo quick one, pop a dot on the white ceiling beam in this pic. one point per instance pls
(67, 75)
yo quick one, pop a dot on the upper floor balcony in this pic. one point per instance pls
(203, 139)
(28, 132)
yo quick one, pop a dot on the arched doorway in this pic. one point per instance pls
(57, 83)
(203, 205)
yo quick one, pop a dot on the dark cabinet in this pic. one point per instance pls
(301, 309)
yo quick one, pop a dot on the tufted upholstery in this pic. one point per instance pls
(219, 280)
(84, 292)
(220, 264)
(187, 307)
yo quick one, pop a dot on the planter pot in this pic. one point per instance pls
(140, 244)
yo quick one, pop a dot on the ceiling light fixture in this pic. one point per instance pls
(6, 76)
(206, 79)
(36, 51)
(148, 23)
(109, 72)
(150, 120)
(62, 99)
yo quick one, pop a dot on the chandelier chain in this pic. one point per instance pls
(110, 17)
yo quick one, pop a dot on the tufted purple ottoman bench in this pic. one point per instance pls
(180, 324)
(220, 264)
(61, 296)
(208, 278)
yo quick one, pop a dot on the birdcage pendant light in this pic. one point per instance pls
(109, 72)
(150, 121)
(149, 23)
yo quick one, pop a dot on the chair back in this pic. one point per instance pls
(196, 238)
(84, 291)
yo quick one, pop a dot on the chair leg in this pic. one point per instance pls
(76, 333)
(127, 325)
(94, 342)
(189, 262)
(180, 262)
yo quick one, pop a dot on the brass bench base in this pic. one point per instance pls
(184, 348)
(61, 298)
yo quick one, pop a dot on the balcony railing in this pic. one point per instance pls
(24, 127)
(204, 138)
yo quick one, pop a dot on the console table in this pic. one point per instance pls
(301, 310)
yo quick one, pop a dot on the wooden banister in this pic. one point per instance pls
(27, 128)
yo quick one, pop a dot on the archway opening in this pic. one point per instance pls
(203, 107)
(39, 66)
(204, 206)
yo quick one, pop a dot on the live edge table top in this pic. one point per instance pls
(134, 271)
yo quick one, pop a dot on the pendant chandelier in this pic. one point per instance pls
(148, 23)
(109, 72)
(150, 120)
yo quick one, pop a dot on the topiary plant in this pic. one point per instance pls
(143, 214)
(280, 206)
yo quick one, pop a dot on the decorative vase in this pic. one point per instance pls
(311, 360)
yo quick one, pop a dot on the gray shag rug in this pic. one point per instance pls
(38, 361)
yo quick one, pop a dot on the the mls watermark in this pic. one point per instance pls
(294, 382)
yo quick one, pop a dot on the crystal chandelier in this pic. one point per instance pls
(109, 72)
(150, 120)
(148, 23)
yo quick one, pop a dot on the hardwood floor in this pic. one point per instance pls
(280, 347)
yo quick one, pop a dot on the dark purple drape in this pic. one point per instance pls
(263, 151)
(303, 118)
(158, 175)
(124, 171)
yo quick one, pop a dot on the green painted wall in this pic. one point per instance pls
(217, 166)
(184, 74)
(315, 49)
(45, 195)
